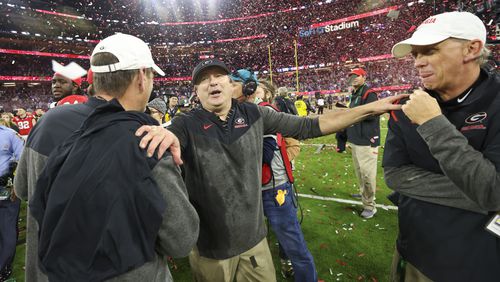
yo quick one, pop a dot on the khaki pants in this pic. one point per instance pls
(408, 273)
(255, 264)
(365, 167)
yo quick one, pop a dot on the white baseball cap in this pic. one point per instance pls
(132, 54)
(462, 25)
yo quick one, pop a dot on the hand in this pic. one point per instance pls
(159, 136)
(385, 105)
(13, 195)
(421, 107)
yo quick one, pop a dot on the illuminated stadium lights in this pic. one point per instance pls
(375, 58)
(25, 78)
(221, 20)
(241, 38)
(355, 17)
(242, 18)
(260, 36)
(59, 14)
(42, 54)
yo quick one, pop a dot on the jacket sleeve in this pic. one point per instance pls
(475, 173)
(21, 177)
(28, 169)
(179, 230)
(427, 186)
(289, 125)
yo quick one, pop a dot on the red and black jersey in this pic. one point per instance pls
(25, 124)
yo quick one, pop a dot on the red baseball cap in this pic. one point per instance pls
(90, 76)
(358, 71)
(78, 81)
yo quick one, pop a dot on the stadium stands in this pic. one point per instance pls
(240, 32)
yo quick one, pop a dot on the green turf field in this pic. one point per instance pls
(345, 247)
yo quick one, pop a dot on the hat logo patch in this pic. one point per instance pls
(429, 21)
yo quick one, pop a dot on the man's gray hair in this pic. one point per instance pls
(282, 91)
(483, 57)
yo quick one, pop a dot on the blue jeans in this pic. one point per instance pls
(9, 214)
(284, 223)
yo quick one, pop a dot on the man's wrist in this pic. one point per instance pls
(428, 118)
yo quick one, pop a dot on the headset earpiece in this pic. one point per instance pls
(249, 86)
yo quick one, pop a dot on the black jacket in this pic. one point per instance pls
(366, 132)
(223, 165)
(96, 195)
(444, 242)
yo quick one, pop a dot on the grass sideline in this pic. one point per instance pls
(345, 247)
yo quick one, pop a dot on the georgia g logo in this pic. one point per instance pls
(240, 122)
(475, 118)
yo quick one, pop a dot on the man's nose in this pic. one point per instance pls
(420, 61)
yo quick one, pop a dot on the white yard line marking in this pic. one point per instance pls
(338, 200)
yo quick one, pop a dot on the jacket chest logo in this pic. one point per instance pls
(240, 122)
(475, 118)
(474, 121)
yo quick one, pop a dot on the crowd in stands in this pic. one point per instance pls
(23, 96)
(380, 73)
(178, 48)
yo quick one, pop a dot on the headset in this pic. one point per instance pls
(249, 84)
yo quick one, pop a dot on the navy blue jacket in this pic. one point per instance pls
(95, 195)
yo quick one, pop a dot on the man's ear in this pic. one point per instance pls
(141, 79)
(75, 87)
(472, 50)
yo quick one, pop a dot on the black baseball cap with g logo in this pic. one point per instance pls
(203, 65)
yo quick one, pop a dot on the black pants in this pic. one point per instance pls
(9, 216)
(341, 137)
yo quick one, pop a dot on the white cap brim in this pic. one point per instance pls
(158, 70)
(403, 48)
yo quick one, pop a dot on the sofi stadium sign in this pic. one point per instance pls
(340, 24)
(328, 28)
